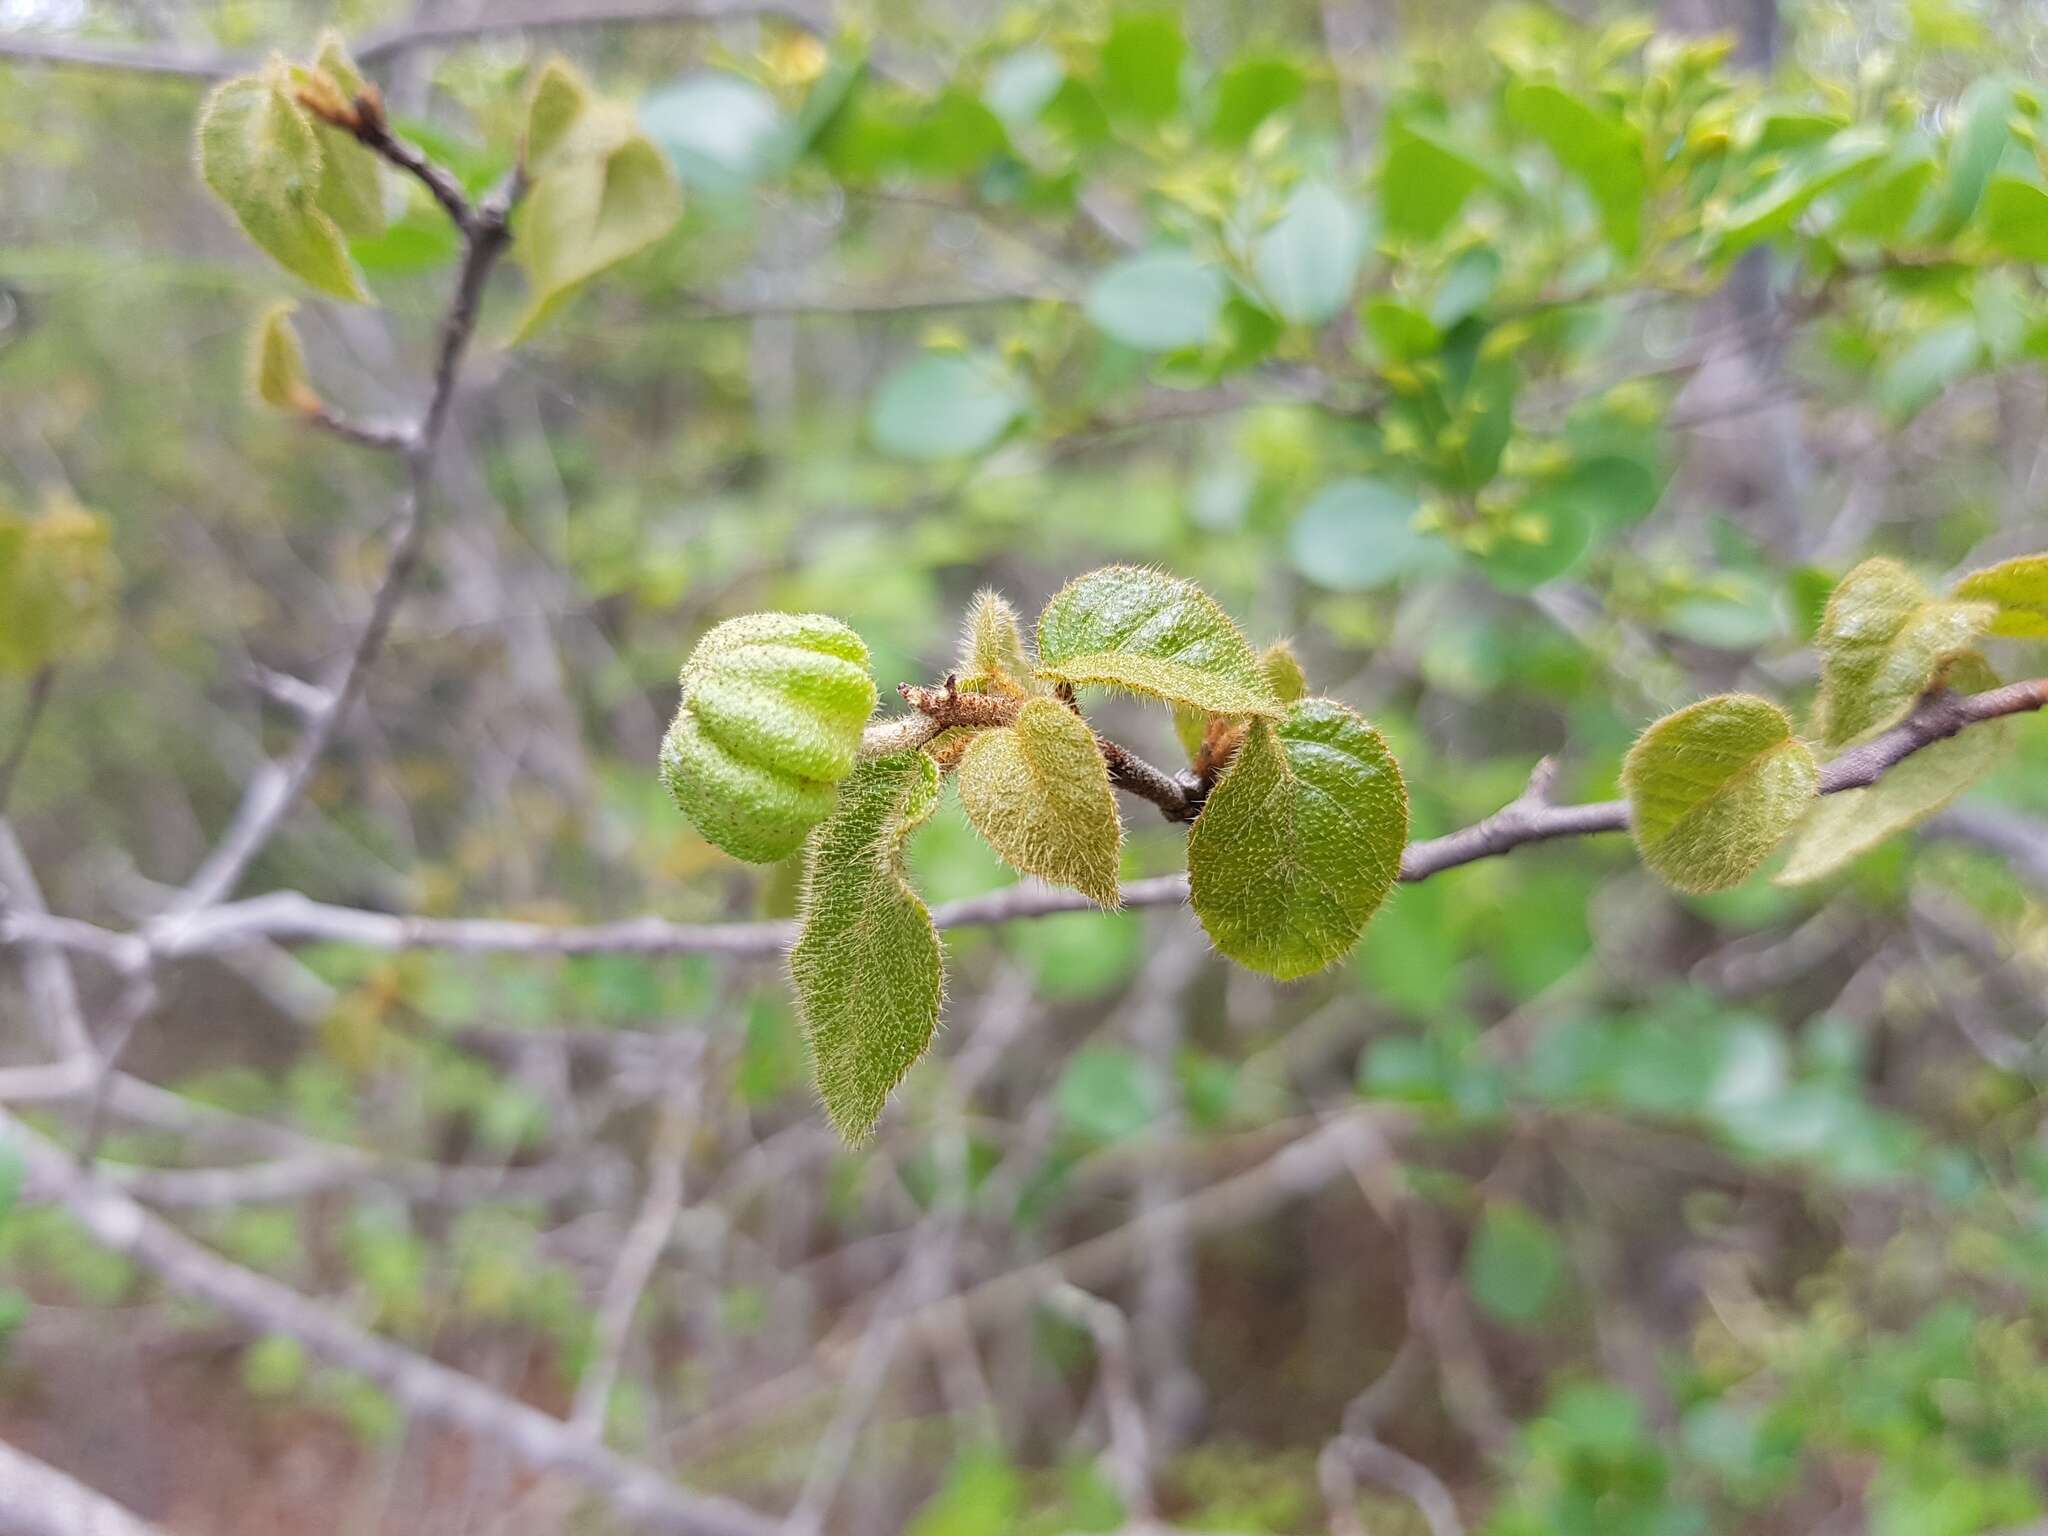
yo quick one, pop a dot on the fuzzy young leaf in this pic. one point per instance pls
(56, 584)
(1883, 642)
(351, 177)
(1843, 826)
(1714, 788)
(1039, 792)
(602, 192)
(992, 657)
(260, 155)
(1300, 841)
(866, 963)
(770, 720)
(2019, 588)
(1150, 633)
(1283, 670)
(277, 364)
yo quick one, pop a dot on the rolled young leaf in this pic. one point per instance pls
(1039, 792)
(1150, 633)
(770, 720)
(1714, 788)
(277, 364)
(2019, 590)
(866, 964)
(1883, 642)
(1300, 841)
(992, 657)
(351, 176)
(1841, 827)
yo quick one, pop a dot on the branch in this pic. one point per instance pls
(38, 1500)
(422, 1386)
(40, 686)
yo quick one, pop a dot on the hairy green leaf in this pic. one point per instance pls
(2019, 589)
(1300, 841)
(351, 176)
(770, 720)
(601, 192)
(1039, 792)
(260, 155)
(277, 364)
(1714, 788)
(992, 656)
(1284, 674)
(1883, 642)
(1840, 827)
(866, 963)
(1141, 630)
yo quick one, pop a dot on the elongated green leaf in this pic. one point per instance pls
(1300, 841)
(770, 719)
(601, 192)
(1039, 792)
(1773, 208)
(1308, 261)
(1843, 826)
(992, 656)
(1883, 641)
(2019, 589)
(1157, 302)
(260, 155)
(1601, 148)
(866, 963)
(277, 364)
(1150, 633)
(1714, 788)
(2015, 218)
(1984, 122)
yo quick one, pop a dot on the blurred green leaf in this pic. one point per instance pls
(1157, 302)
(944, 407)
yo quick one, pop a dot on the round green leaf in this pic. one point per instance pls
(770, 720)
(1146, 632)
(1157, 302)
(1714, 788)
(1358, 534)
(866, 964)
(720, 132)
(1300, 841)
(1039, 792)
(944, 407)
(1308, 261)
(1882, 643)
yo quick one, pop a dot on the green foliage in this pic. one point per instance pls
(1154, 634)
(1714, 788)
(770, 720)
(1038, 791)
(1300, 841)
(56, 584)
(1157, 302)
(261, 153)
(1883, 641)
(277, 363)
(2019, 591)
(1515, 1264)
(866, 961)
(992, 655)
(1307, 262)
(601, 192)
(944, 407)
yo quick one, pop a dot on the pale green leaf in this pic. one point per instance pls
(57, 583)
(1157, 302)
(992, 655)
(1039, 792)
(944, 407)
(2019, 589)
(351, 175)
(277, 364)
(1515, 1263)
(1307, 262)
(1883, 642)
(1146, 632)
(866, 963)
(770, 720)
(720, 132)
(1601, 148)
(607, 194)
(1714, 788)
(1284, 674)
(1361, 533)
(559, 103)
(1840, 827)
(260, 155)
(1915, 379)
(1300, 841)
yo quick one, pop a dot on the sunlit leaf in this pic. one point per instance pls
(1150, 633)
(1883, 642)
(1300, 841)
(2019, 589)
(992, 655)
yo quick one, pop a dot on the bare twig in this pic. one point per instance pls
(422, 1386)
(1130, 1456)
(38, 1500)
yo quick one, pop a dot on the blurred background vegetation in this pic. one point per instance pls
(1537, 371)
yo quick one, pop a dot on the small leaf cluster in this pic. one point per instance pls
(1298, 837)
(1717, 787)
